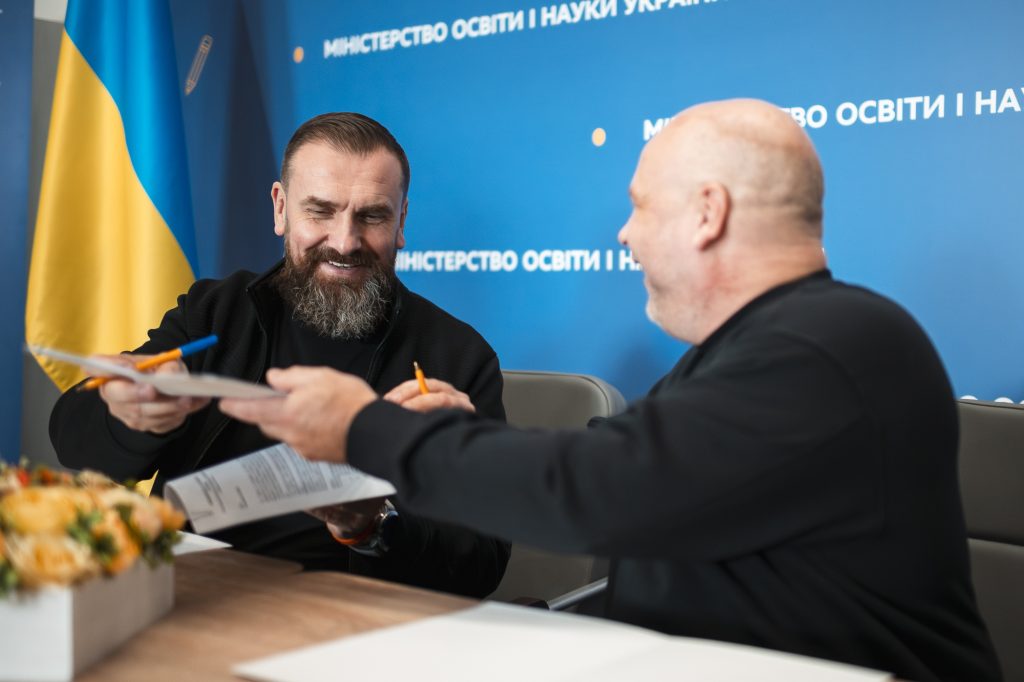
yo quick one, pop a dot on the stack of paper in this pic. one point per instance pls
(503, 643)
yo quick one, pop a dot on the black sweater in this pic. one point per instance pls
(791, 484)
(243, 310)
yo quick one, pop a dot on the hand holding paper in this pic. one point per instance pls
(145, 362)
(315, 415)
(271, 482)
(140, 406)
(351, 518)
(168, 383)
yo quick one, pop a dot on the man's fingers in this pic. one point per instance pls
(438, 401)
(195, 404)
(293, 377)
(163, 409)
(403, 391)
(258, 412)
(124, 359)
(442, 395)
(129, 360)
(314, 416)
(119, 391)
(276, 432)
(313, 453)
(172, 367)
(125, 391)
(252, 411)
(140, 406)
(351, 516)
(438, 386)
(167, 407)
(407, 390)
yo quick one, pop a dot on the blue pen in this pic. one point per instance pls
(159, 359)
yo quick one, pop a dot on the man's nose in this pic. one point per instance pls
(622, 234)
(344, 235)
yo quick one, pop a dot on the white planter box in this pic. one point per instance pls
(55, 633)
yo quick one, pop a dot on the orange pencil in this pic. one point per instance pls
(420, 378)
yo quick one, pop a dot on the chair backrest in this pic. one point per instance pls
(992, 485)
(553, 400)
(556, 400)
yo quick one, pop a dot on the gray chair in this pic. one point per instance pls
(554, 400)
(992, 485)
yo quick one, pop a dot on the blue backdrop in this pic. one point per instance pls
(499, 119)
(15, 111)
(523, 121)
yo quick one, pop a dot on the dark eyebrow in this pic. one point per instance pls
(381, 208)
(316, 202)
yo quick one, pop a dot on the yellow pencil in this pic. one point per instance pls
(420, 378)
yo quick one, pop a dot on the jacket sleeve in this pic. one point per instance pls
(687, 473)
(85, 435)
(485, 389)
(446, 556)
(437, 556)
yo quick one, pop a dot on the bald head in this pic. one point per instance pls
(758, 153)
(726, 205)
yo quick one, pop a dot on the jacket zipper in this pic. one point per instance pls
(371, 373)
(261, 370)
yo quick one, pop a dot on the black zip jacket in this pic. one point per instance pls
(434, 555)
(791, 484)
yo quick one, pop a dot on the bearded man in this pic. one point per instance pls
(334, 301)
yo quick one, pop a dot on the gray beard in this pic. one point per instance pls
(335, 309)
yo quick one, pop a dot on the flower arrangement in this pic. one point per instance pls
(58, 528)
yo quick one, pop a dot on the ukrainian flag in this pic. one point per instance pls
(114, 240)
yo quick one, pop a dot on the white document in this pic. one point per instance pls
(267, 483)
(504, 643)
(200, 385)
(191, 543)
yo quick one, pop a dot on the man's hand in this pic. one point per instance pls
(141, 407)
(348, 520)
(442, 396)
(315, 416)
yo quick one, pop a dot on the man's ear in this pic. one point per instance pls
(713, 204)
(400, 237)
(277, 196)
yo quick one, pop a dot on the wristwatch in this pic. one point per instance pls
(379, 541)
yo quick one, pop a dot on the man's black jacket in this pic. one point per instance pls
(439, 556)
(790, 484)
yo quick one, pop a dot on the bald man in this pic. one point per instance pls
(791, 483)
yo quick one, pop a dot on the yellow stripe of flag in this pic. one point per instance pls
(105, 266)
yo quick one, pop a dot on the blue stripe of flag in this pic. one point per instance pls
(129, 45)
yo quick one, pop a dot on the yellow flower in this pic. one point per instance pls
(9, 482)
(108, 498)
(170, 517)
(144, 517)
(50, 560)
(94, 480)
(125, 549)
(48, 510)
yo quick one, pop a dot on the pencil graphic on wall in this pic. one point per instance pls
(197, 64)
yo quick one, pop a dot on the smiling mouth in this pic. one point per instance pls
(343, 266)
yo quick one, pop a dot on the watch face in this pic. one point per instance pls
(389, 527)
